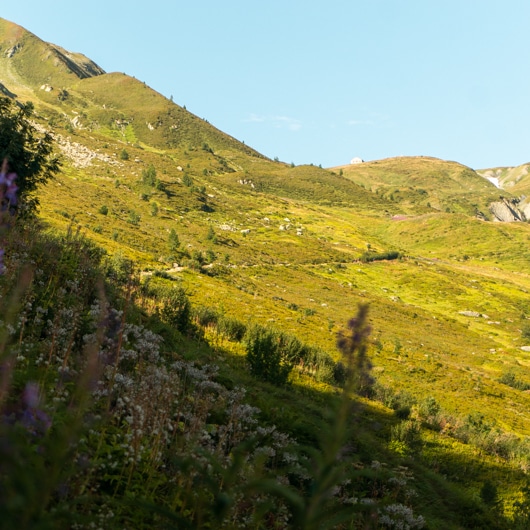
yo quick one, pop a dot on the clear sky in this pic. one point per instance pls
(321, 81)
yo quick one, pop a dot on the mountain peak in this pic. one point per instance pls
(27, 58)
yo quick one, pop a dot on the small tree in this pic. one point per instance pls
(173, 240)
(210, 236)
(149, 175)
(124, 155)
(29, 152)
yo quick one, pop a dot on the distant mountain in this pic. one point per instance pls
(420, 182)
(513, 179)
(515, 183)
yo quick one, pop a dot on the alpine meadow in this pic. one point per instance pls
(193, 335)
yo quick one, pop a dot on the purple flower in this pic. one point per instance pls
(34, 418)
(8, 201)
(31, 395)
(11, 189)
(8, 188)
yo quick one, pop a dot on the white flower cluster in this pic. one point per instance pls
(400, 517)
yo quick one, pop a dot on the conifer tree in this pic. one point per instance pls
(28, 151)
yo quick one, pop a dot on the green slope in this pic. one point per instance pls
(423, 182)
(261, 241)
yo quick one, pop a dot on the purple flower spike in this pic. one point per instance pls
(11, 188)
(31, 395)
(8, 188)
(34, 418)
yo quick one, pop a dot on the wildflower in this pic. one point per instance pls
(8, 201)
(33, 417)
(8, 188)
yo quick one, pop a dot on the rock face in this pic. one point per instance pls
(77, 62)
(507, 211)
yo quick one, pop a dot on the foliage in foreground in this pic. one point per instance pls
(104, 424)
(28, 152)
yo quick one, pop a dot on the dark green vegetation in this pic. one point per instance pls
(169, 248)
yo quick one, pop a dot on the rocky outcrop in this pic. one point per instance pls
(508, 211)
(525, 209)
(77, 63)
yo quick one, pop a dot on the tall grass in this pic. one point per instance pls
(103, 424)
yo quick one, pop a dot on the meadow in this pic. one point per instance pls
(177, 340)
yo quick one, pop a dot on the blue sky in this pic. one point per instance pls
(321, 81)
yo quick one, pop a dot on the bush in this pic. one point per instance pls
(119, 268)
(149, 176)
(407, 432)
(341, 373)
(176, 309)
(368, 257)
(318, 363)
(510, 379)
(232, 328)
(265, 357)
(124, 155)
(173, 240)
(187, 180)
(134, 218)
(429, 411)
(206, 316)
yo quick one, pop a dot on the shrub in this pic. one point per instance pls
(488, 493)
(187, 180)
(173, 240)
(206, 316)
(124, 155)
(265, 357)
(149, 175)
(510, 379)
(119, 268)
(104, 210)
(134, 218)
(176, 309)
(407, 432)
(429, 410)
(232, 328)
(341, 373)
(368, 257)
(210, 236)
(318, 363)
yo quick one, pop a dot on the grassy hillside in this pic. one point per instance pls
(513, 179)
(422, 182)
(252, 241)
